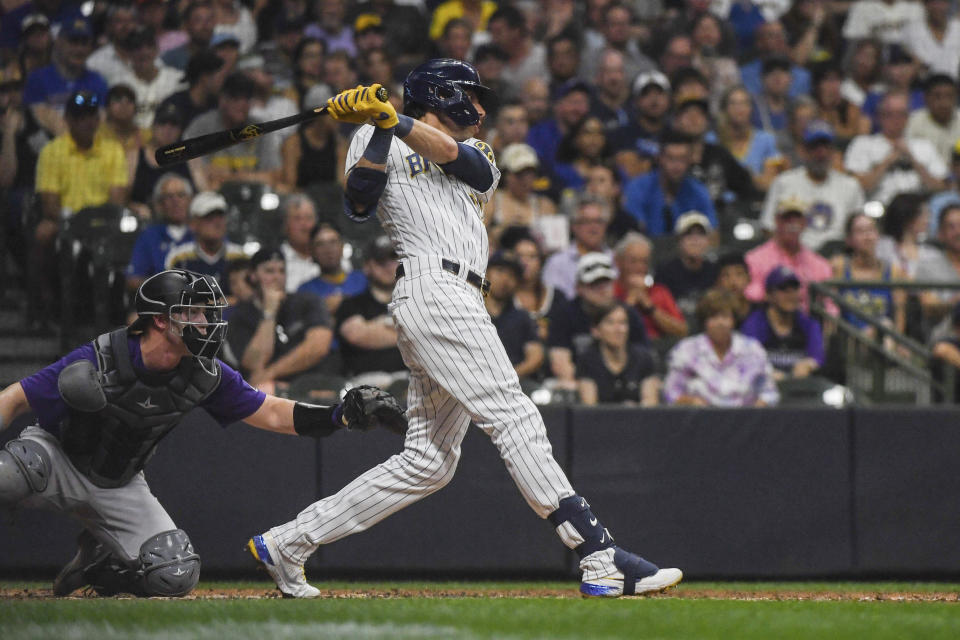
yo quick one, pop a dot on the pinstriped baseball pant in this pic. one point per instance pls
(459, 372)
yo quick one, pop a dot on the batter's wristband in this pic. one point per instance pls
(404, 126)
(379, 146)
(314, 420)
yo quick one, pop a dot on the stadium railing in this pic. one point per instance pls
(886, 366)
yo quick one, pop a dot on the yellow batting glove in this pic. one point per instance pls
(380, 111)
(343, 107)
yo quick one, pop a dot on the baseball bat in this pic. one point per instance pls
(212, 142)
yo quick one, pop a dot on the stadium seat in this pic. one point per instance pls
(95, 245)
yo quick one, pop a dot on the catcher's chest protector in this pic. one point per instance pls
(112, 445)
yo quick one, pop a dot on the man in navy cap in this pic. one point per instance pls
(792, 339)
(48, 87)
(571, 105)
(831, 195)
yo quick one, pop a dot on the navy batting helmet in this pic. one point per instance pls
(441, 85)
(193, 301)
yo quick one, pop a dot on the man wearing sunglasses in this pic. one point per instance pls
(74, 171)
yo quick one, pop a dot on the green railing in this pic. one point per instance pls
(885, 350)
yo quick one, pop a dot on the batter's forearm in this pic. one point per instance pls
(433, 144)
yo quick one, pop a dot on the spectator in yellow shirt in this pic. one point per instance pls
(75, 170)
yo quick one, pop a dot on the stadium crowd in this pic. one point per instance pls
(675, 173)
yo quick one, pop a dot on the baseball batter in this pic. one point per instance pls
(103, 409)
(427, 176)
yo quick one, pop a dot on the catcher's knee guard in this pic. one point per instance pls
(24, 469)
(168, 565)
(579, 528)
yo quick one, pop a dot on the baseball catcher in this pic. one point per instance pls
(102, 410)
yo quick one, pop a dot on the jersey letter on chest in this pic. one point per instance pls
(418, 164)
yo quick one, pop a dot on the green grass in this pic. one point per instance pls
(505, 618)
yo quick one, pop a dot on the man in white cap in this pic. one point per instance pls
(209, 253)
(516, 203)
(570, 333)
(650, 103)
(691, 272)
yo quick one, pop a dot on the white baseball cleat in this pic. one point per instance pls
(290, 578)
(612, 587)
(630, 575)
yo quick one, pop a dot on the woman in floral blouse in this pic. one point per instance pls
(719, 367)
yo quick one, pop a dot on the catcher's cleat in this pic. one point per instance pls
(72, 576)
(634, 576)
(290, 578)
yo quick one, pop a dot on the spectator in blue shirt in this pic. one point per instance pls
(48, 87)
(334, 283)
(571, 105)
(771, 40)
(171, 201)
(658, 198)
(793, 340)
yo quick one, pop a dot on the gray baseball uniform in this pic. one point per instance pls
(120, 517)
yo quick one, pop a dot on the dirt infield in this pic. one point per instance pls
(688, 593)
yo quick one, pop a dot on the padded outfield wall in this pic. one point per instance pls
(767, 493)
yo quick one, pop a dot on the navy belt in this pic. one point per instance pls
(473, 278)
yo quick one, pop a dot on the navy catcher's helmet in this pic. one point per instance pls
(440, 85)
(193, 301)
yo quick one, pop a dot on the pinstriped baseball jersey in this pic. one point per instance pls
(459, 371)
(425, 211)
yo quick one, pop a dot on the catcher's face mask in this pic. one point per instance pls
(199, 317)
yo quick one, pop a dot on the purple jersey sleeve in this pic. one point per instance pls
(234, 399)
(42, 391)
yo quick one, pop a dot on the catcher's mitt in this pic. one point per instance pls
(365, 407)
